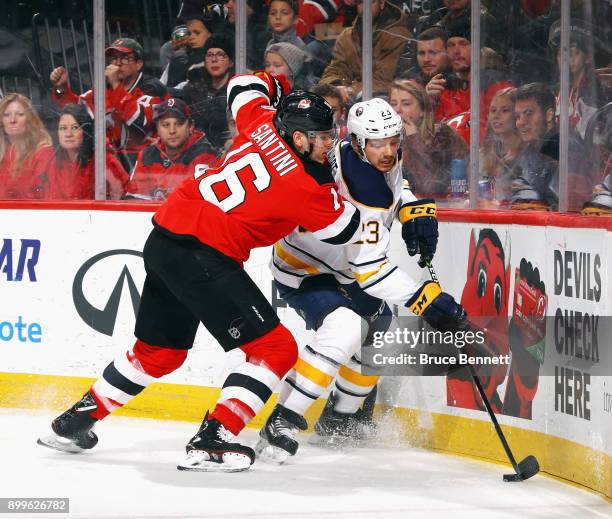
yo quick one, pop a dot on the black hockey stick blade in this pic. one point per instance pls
(527, 468)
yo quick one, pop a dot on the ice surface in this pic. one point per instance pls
(132, 474)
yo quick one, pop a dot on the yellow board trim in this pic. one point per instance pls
(357, 378)
(313, 374)
(563, 459)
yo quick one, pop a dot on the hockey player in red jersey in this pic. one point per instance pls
(264, 188)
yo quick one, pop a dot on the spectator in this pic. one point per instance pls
(460, 11)
(199, 27)
(206, 89)
(501, 147)
(129, 96)
(536, 182)
(282, 17)
(72, 171)
(450, 94)
(314, 12)
(25, 150)
(428, 148)
(390, 33)
(180, 152)
(288, 60)
(587, 93)
(331, 94)
(258, 34)
(599, 140)
(431, 56)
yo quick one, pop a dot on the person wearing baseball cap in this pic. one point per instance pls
(130, 95)
(126, 46)
(172, 107)
(165, 164)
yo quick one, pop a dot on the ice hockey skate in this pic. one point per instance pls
(214, 449)
(336, 430)
(73, 428)
(277, 438)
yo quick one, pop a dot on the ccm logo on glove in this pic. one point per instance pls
(420, 227)
(417, 209)
(419, 302)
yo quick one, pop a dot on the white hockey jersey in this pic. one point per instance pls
(378, 197)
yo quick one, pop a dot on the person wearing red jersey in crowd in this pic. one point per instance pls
(265, 187)
(314, 12)
(450, 93)
(25, 149)
(130, 95)
(179, 152)
(72, 171)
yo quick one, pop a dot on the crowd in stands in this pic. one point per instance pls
(159, 130)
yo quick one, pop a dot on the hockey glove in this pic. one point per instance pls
(438, 308)
(420, 228)
(279, 86)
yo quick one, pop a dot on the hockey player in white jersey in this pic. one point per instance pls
(336, 289)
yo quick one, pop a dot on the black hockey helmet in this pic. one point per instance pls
(305, 112)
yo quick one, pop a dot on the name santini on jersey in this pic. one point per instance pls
(280, 158)
(248, 199)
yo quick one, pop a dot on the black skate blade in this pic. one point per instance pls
(60, 444)
(528, 468)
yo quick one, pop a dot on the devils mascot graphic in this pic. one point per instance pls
(485, 297)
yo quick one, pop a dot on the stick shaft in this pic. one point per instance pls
(498, 429)
(481, 391)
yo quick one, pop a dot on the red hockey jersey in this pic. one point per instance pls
(261, 191)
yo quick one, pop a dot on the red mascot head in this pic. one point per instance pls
(486, 292)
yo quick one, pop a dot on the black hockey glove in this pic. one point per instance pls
(439, 309)
(420, 227)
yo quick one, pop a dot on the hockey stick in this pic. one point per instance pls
(528, 467)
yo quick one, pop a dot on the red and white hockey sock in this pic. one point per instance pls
(130, 373)
(249, 386)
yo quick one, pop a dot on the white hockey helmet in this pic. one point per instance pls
(373, 119)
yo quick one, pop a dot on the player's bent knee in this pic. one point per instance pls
(276, 350)
(339, 336)
(157, 361)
